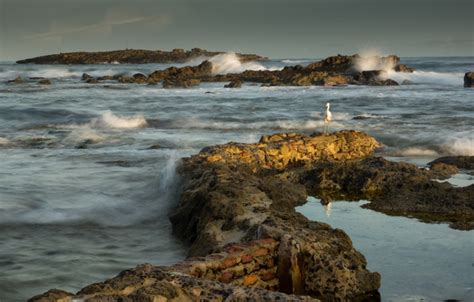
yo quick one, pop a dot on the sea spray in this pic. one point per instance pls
(110, 120)
(230, 63)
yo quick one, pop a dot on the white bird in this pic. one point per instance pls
(327, 118)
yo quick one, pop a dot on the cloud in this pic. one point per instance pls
(105, 26)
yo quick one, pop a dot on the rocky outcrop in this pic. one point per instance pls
(461, 162)
(247, 242)
(469, 79)
(132, 56)
(395, 188)
(332, 71)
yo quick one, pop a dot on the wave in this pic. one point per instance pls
(4, 141)
(230, 63)
(82, 135)
(110, 120)
(416, 151)
(460, 146)
(315, 125)
(427, 77)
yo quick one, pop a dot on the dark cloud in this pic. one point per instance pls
(277, 28)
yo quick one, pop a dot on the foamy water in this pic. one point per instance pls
(87, 171)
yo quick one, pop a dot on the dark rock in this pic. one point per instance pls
(86, 76)
(469, 79)
(403, 68)
(17, 80)
(234, 84)
(443, 171)
(106, 78)
(174, 82)
(133, 56)
(462, 162)
(44, 82)
(91, 80)
(140, 78)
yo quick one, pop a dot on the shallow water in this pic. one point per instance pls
(417, 261)
(82, 195)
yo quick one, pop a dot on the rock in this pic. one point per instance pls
(44, 82)
(174, 82)
(241, 192)
(462, 162)
(140, 78)
(52, 295)
(395, 188)
(86, 76)
(469, 79)
(91, 80)
(443, 171)
(336, 80)
(234, 84)
(403, 68)
(106, 78)
(133, 56)
(17, 80)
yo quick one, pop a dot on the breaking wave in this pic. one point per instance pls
(230, 63)
(427, 77)
(110, 120)
(460, 146)
(416, 151)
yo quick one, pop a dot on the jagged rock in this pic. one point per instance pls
(241, 192)
(133, 56)
(91, 80)
(443, 171)
(44, 82)
(17, 80)
(336, 80)
(234, 84)
(469, 79)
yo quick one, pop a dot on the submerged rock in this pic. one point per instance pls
(469, 79)
(234, 84)
(44, 82)
(17, 80)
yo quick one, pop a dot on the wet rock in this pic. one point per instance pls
(86, 76)
(91, 81)
(469, 79)
(44, 82)
(174, 82)
(443, 171)
(241, 192)
(133, 56)
(403, 68)
(234, 84)
(393, 188)
(140, 78)
(106, 78)
(462, 162)
(336, 80)
(17, 80)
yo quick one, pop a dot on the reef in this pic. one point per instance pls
(246, 240)
(132, 56)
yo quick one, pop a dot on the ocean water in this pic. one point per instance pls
(87, 171)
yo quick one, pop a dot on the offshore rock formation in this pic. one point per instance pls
(132, 56)
(247, 242)
(469, 79)
(332, 71)
(237, 211)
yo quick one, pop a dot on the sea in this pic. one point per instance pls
(87, 171)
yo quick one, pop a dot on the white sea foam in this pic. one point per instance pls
(230, 63)
(53, 73)
(426, 77)
(460, 146)
(4, 141)
(83, 134)
(110, 120)
(371, 60)
(417, 151)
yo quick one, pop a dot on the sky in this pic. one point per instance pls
(274, 28)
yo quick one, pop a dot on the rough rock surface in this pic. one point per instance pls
(133, 56)
(462, 162)
(469, 79)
